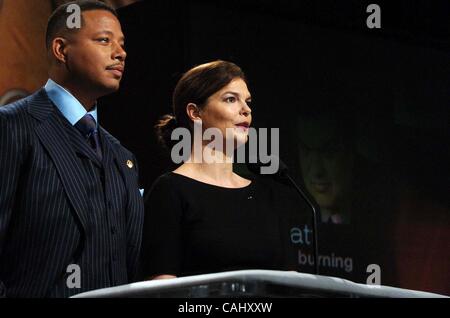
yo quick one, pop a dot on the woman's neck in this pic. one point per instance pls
(215, 171)
(218, 172)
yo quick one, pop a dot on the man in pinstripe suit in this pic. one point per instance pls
(71, 212)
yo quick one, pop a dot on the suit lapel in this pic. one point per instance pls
(107, 148)
(125, 166)
(135, 206)
(80, 145)
(54, 137)
(110, 153)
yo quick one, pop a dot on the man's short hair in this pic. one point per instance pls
(57, 23)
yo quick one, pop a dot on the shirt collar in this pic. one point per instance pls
(67, 104)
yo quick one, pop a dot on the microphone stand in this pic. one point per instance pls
(255, 166)
(315, 213)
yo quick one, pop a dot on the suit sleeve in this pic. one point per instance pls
(9, 178)
(134, 241)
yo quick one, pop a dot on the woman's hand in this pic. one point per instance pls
(162, 277)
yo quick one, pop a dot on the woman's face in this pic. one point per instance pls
(228, 109)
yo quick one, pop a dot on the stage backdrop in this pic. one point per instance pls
(363, 111)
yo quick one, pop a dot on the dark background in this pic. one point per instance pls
(299, 54)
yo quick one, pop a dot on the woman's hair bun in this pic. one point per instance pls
(164, 128)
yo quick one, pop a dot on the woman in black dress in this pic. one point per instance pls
(203, 217)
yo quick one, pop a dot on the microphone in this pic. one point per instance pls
(283, 173)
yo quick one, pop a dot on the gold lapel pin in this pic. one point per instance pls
(130, 164)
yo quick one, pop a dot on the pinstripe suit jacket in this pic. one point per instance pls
(46, 216)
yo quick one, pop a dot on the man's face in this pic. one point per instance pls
(326, 163)
(95, 53)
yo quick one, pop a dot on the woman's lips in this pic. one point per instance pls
(243, 127)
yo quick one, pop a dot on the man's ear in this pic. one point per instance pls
(59, 49)
(193, 112)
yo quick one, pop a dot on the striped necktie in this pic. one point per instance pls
(88, 129)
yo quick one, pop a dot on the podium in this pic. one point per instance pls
(254, 283)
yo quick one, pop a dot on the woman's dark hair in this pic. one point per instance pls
(195, 86)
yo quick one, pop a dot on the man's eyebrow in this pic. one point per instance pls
(103, 32)
(122, 38)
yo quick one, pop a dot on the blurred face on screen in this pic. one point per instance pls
(95, 53)
(229, 109)
(326, 162)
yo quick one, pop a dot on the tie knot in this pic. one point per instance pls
(86, 125)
